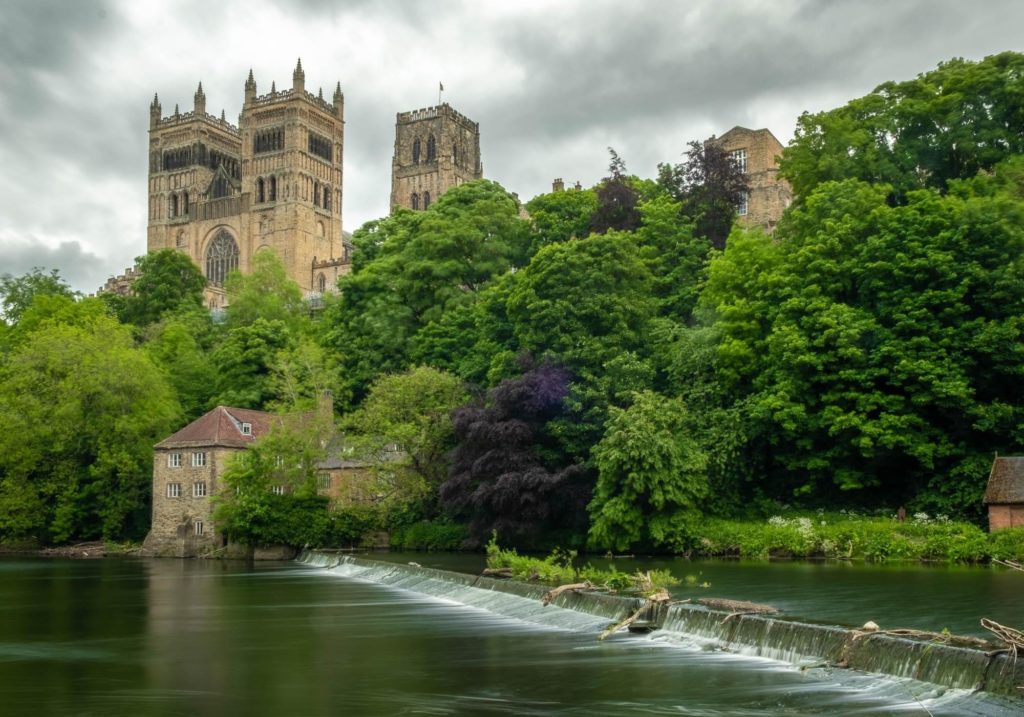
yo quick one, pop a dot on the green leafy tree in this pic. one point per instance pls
(652, 476)
(170, 283)
(413, 410)
(251, 512)
(884, 346)
(18, 292)
(265, 293)
(82, 408)
(560, 216)
(245, 363)
(950, 123)
(425, 265)
(176, 345)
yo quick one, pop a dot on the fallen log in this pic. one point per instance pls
(737, 606)
(661, 596)
(1009, 563)
(555, 592)
(497, 572)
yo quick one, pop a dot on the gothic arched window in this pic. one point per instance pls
(221, 257)
(322, 283)
(260, 194)
(426, 200)
(173, 207)
(416, 151)
(316, 194)
(431, 149)
(455, 154)
(415, 200)
(273, 190)
(184, 202)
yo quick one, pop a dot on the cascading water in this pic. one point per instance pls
(774, 638)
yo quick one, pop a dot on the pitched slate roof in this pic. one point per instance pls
(1006, 481)
(221, 427)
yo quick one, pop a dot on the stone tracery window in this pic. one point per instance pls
(415, 200)
(416, 151)
(221, 257)
(260, 193)
(272, 191)
(431, 149)
(426, 200)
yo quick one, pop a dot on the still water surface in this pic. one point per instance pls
(168, 637)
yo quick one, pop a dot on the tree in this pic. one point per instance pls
(709, 185)
(170, 283)
(616, 200)
(426, 264)
(265, 293)
(413, 410)
(251, 512)
(502, 478)
(881, 344)
(81, 409)
(651, 476)
(950, 123)
(176, 345)
(245, 363)
(561, 216)
(18, 293)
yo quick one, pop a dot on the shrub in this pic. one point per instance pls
(1007, 544)
(429, 535)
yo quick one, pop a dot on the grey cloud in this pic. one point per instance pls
(82, 269)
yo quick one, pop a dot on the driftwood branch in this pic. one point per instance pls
(1014, 639)
(738, 607)
(659, 597)
(555, 592)
(497, 572)
(1010, 564)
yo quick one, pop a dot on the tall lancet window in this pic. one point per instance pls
(221, 257)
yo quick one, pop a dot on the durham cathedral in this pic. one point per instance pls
(222, 193)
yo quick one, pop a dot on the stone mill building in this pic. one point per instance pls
(221, 193)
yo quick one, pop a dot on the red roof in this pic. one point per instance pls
(1006, 481)
(223, 426)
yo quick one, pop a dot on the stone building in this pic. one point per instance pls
(187, 475)
(435, 149)
(1004, 495)
(757, 151)
(187, 468)
(222, 193)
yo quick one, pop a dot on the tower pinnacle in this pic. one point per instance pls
(299, 78)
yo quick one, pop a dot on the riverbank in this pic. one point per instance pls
(91, 549)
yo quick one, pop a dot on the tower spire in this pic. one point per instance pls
(250, 88)
(200, 100)
(299, 78)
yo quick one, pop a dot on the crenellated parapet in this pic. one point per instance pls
(442, 110)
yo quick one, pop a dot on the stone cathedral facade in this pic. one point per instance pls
(435, 149)
(222, 193)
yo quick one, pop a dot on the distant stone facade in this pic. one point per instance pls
(188, 467)
(1004, 494)
(221, 193)
(435, 149)
(122, 283)
(757, 152)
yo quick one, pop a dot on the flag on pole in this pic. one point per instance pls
(440, 86)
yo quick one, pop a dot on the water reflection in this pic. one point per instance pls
(154, 638)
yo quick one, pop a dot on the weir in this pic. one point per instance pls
(778, 638)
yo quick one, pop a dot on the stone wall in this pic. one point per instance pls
(173, 531)
(769, 195)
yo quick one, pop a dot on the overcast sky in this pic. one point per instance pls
(552, 84)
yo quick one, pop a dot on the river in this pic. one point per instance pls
(169, 637)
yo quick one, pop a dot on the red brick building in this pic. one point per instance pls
(1005, 494)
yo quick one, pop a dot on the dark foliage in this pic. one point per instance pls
(499, 479)
(616, 200)
(709, 185)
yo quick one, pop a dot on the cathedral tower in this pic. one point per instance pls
(435, 149)
(221, 193)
